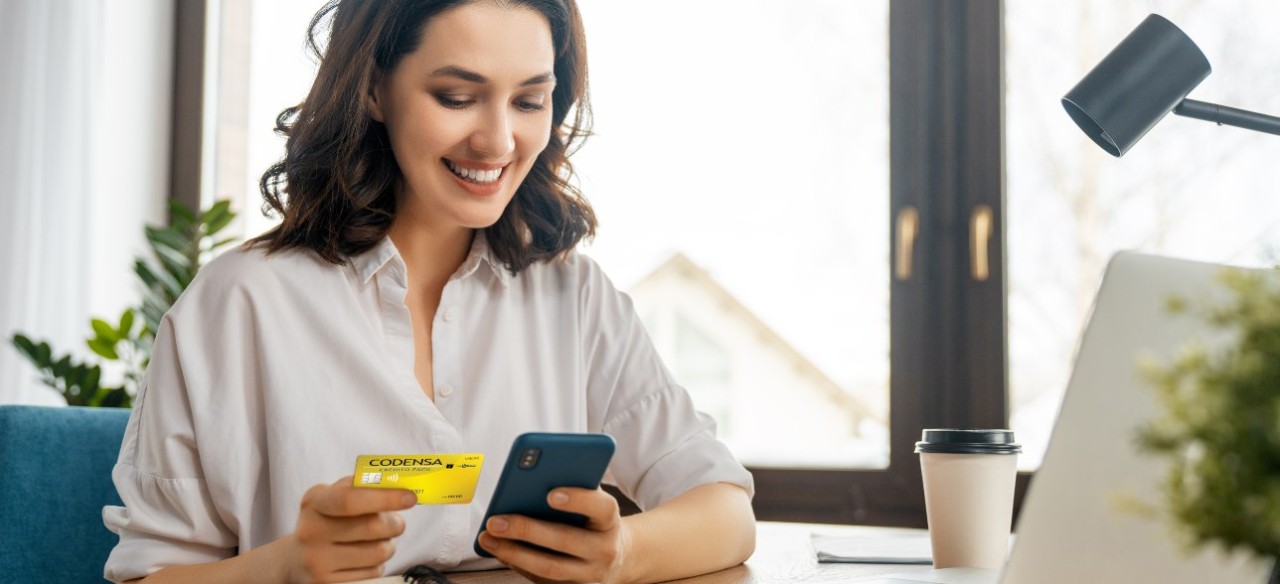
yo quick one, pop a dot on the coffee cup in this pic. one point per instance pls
(968, 477)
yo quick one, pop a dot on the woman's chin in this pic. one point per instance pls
(481, 222)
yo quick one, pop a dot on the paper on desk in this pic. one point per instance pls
(872, 549)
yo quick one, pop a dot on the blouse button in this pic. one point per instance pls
(446, 390)
(451, 314)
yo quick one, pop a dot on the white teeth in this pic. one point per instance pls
(473, 175)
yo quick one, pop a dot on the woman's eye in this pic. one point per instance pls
(532, 103)
(452, 103)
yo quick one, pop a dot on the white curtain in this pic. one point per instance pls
(85, 94)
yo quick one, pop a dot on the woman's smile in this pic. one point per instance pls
(478, 179)
(485, 173)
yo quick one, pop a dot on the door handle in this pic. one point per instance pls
(908, 226)
(980, 227)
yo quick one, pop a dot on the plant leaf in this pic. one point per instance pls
(43, 354)
(63, 365)
(221, 242)
(76, 377)
(104, 349)
(181, 215)
(27, 347)
(92, 375)
(166, 238)
(173, 258)
(114, 398)
(126, 323)
(218, 222)
(104, 331)
(153, 309)
(73, 388)
(177, 263)
(161, 280)
(216, 211)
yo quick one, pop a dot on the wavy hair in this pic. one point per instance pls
(336, 185)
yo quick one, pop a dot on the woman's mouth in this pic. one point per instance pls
(475, 176)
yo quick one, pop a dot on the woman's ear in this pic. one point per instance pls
(373, 100)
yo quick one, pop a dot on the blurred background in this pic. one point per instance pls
(751, 165)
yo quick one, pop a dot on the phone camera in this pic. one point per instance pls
(529, 458)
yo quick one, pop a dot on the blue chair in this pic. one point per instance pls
(55, 477)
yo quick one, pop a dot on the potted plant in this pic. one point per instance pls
(177, 252)
(1220, 424)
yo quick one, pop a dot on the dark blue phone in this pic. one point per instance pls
(540, 462)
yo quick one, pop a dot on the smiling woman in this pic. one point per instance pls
(421, 295)
(468, 141)
(437, 96)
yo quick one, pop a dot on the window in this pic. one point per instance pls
(739, 169)
(280, 73)
(703, 366)
(1188, 189)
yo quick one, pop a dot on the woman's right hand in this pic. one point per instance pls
(344, 533)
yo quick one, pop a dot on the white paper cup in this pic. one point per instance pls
(969, 477)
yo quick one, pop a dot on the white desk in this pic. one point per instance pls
(783, 554)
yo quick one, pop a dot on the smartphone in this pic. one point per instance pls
(540, 462)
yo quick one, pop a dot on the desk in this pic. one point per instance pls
(783, 554)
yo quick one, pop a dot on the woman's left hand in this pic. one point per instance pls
(595, 552)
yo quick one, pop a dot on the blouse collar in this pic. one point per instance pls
(385, 254)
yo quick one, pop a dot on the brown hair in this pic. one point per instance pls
(336, 185)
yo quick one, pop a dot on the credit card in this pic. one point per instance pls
(437, 479)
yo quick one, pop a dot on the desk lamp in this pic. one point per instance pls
(1145, 77)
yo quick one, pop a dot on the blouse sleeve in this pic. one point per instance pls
(665, 446)
(168, 517)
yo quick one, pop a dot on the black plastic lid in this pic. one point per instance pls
(951, 441)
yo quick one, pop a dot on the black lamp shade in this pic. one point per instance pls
(1147, 75)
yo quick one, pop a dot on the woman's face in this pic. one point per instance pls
(468, 112)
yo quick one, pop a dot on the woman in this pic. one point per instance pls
(420, 296)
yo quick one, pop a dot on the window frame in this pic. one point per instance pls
(191, 26)
(948, 352)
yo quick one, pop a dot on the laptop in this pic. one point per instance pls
(1072, 527)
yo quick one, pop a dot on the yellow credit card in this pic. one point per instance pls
(438, 479)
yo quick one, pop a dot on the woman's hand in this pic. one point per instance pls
(596, 552)
(344, 533)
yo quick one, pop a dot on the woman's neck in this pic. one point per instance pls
(431, 255)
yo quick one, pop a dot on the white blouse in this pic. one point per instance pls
(273, 372)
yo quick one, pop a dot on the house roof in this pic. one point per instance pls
(685, 269)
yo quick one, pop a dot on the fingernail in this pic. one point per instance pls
(559, 498)
(408, 499)
(497, 524)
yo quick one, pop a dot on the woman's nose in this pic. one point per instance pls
(494, 137)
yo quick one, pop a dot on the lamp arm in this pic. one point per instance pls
(1221, 114)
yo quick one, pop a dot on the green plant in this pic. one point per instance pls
(177, 252)
(1220, 423)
